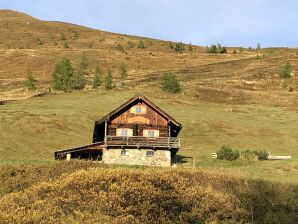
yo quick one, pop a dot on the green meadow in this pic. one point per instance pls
(31, 130)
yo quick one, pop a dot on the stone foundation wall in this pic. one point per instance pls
(137, 157)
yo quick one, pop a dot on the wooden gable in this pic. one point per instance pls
(138, 115)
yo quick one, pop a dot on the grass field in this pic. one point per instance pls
(32, 129)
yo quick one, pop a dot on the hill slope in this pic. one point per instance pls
(29, 43)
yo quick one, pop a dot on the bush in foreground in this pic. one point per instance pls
(129, 195)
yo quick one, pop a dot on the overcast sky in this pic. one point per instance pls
(229, 22)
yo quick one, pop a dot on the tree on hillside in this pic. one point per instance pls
(123, 71)
(223, 50)
(31, 82)
(190, 48)
(62, 77)
(286, 70)
(170, 83)
(97, 77)
(109, 80)
(219, 48)
(81, 73)
(258, 46)
(63, 38)
(213, 49)
(179, 47)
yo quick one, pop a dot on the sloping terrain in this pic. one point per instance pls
(241, 77)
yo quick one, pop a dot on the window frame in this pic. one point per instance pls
(119, 132)
(155, 131)
(124, 152)
(149, 153)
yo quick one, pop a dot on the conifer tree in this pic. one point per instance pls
(123, 71)
(109, 80)
(62, 77)
(97, 77)
(31, 82)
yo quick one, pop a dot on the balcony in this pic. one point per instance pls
(142, 142)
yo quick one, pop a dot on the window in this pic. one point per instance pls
(124, 152)
(150, 133)
(138, 110)
(124, 132)
(149, 153)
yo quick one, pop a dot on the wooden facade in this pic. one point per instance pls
(136, 124)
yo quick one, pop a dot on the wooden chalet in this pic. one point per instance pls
(136, 133)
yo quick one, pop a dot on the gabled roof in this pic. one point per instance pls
(145, 100)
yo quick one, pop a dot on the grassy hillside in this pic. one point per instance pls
(33, 129)
(124, 195)
(244, 77)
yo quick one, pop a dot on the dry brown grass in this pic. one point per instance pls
(29, 43)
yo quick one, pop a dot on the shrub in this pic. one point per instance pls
(190, 48)
(170, 83)
(249, 155)
(119, 47)
(63, 38)
(66, 45)
(223, 50)
(31, 82)
(141, 44)
(262, 154)
(130, 44)
(286, 70)
(227, 153)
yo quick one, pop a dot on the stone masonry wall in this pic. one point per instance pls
(137, 157)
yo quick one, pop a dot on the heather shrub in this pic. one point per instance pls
(70, 192)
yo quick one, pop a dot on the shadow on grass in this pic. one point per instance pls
(183, 159)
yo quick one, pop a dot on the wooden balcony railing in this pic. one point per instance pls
(139, 141)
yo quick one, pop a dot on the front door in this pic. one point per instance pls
(136, 130)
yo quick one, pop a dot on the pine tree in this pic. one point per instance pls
(219, 48)
(62, 77)
(213, 49)
(31, 82)
(97, 77)
(80, 75)
(258, 46)
(179, 47)
(286, 70)
(109, 80)
(123, 71)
